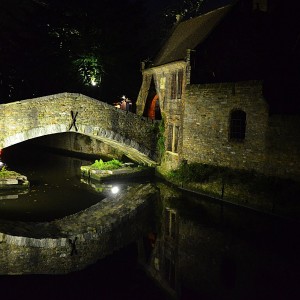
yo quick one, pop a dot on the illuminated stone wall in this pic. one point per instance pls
(271, 145)
(207, 119)
(27, 119)
(283, 146)
(72, 142)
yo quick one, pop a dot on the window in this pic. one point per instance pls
(173, 138)
(176, 84)
(170, 273)
(170, 223)
(237, 125)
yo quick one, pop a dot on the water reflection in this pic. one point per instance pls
(194, 247)
(106, 188)
(203, 249)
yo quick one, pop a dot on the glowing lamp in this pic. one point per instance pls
(115, 189)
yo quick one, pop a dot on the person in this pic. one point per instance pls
(123, 103)
(2, 165)
(128, 104)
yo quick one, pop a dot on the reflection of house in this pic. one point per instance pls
(161, 259)
(213, 83)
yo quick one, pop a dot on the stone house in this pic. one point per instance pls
(213, 86)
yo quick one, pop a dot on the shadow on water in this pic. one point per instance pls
(55, 189)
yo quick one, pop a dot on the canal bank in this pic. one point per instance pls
(12, 180)
(246, 188)
(252, 190)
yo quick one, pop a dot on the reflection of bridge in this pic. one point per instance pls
(76, 241)
(27, 119)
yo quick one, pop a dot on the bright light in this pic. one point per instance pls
(115, 189)
(93, 82)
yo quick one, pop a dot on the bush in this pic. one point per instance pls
(108, 165)
(4, 173)
(193, 172)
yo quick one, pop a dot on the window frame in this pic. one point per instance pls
(173, 138)
(237, 125)
(176, 84)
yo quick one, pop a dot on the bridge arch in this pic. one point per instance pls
(67, 112)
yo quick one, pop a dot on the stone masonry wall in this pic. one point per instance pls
(271, 145)
(32, 118)
(170, 108)
(80, 144)
(206, 125)
(283, 146)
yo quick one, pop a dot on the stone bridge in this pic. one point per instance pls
(68, 112)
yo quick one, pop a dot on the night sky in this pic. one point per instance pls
(96, 47)
(54, 46)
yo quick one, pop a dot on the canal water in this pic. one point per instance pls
(196, 248)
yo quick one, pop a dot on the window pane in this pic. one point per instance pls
(238, 125)
(170, 138)
(167, 222)
(176, 137)
(179, 82)
(173, 86)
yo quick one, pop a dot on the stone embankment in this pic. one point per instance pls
(125, 172)
(12, 180)
(72, 243)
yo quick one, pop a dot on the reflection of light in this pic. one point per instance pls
(93, 82)
(115, 189)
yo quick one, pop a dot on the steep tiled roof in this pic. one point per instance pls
(189, 34)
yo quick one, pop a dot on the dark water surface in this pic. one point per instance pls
(55, 191)
(198, 248)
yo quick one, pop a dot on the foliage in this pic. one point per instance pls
(90, 69)
(161, 137)
(194, 172)
(53, 46)
(108, 165)
(186, 9)
(6, 174)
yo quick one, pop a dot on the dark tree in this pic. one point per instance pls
(51, 46)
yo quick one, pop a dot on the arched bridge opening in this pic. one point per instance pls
(67, 112)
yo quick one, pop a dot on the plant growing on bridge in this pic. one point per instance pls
(161, 137)
(6, 174)
(107, 165)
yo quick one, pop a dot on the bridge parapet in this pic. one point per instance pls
(31, 118)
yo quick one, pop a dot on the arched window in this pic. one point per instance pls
(237, 125)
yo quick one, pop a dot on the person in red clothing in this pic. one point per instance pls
(1, 163)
